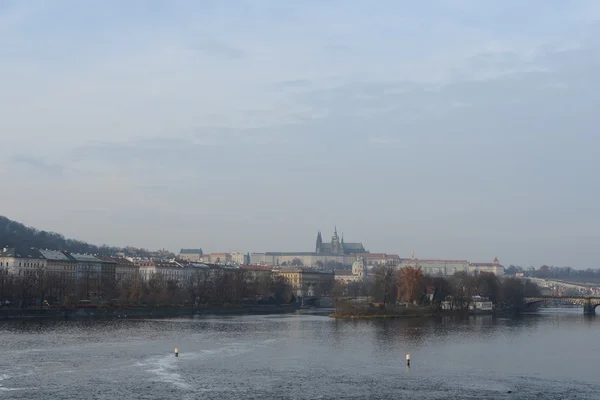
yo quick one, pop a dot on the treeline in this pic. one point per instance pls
(215, 287)
(15, 234)
(559, 273)
(410, 286)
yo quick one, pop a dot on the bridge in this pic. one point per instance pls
(589, 304)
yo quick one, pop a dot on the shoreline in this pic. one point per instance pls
(414, 314)
(139, 312)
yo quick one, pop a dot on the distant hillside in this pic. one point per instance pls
(15, 234)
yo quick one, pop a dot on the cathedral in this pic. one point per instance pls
(337, 246)
(336, 251)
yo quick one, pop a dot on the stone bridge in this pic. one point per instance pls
(589, 304)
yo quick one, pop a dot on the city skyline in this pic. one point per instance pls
(458, 129)
(325, 251)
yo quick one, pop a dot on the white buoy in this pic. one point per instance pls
(408, 360)
(176, 352)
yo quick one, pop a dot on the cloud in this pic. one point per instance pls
(474, 135)
(219, 49)
(37, 167)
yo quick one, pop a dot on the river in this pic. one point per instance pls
(553, 354)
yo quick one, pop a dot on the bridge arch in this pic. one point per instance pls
(589, 304)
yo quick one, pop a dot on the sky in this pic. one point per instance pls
(458, 129)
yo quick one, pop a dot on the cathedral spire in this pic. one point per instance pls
(319, 242)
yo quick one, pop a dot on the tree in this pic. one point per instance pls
(337, 294)
(385, 282)
(463, 288)
(333, 265)
(410, 284)
(513, 293)
(531, 289)
(296, 262)
(439, 288)
(487, 284)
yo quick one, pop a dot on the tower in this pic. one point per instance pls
(319, 242)
(359, 268)
(335, 243)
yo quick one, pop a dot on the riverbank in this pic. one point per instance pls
(402, 313)
(142, 312)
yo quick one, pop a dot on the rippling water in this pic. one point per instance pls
(551, 355)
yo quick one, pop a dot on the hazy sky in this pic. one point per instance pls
(460, 129)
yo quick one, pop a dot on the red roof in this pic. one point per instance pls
(256, 267)
(486, 264)
(342, 272)
(380, 255)
(439, 261)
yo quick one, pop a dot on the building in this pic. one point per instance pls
(21, 262)
(308, 282)
(436, 267)
(358, 273)
(88, 272)
(450, 267)
(193, 255)
(60, 264)
(238, 258)
(494, 267)
(257, 272)
(171, 271)
(359, 268)
(220, 258)
(326, 256)
(378, 259)
(337, 246)
(124, 270)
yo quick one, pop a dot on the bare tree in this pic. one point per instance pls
(385, 283)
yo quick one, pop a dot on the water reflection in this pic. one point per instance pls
(303, 356)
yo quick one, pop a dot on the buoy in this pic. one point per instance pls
(176, 352)
(408, 360)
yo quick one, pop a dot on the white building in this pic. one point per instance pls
(494, 267)
(60, 263)
(357, 274)
(194, 255)
(450, 267)
(21, 262)
(237, 257)
(172, 270)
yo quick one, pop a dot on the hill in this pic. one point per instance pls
(16, 234)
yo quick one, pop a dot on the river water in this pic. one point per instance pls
(554, 354)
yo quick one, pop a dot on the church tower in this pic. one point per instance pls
(359, 268)
(336, 247)
(319, 243)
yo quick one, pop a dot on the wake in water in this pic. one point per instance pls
(168, 368)
(5, 377)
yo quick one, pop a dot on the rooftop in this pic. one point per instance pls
(190, 251)
(116, 260)
(21, 253)
(84, 257)
(55, 255)
(435, 261)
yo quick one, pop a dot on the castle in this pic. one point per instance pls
(337, 246)
(337, 251)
